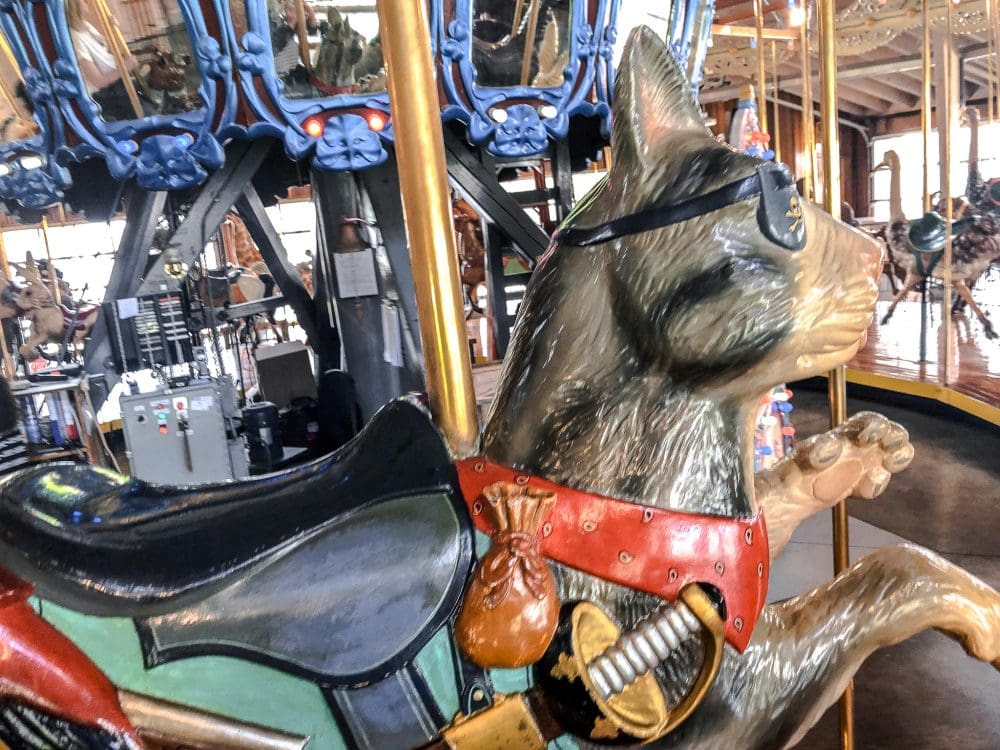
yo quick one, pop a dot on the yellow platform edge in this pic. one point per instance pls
(940, 393)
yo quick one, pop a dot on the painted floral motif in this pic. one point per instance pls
(348, 144)
(254, 60)
(174, 162)
(521, 134)
(214, 61)
(454, 46)
(37, 85)
(66, 81)
(35, 188)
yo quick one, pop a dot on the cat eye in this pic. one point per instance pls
(779, 214)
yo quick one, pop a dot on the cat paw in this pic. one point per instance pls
(882, 448)
(858, 458)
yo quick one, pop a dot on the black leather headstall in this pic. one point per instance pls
(779, 214)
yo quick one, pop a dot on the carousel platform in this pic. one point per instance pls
(891, 360)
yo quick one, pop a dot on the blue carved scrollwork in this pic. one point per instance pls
(30, 177)
(342, 135)
(242, 96)
(515, 121)
(145, 148)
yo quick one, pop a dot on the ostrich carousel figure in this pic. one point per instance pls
(917, 247)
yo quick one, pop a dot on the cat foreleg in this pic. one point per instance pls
(855, 459)
(806, 649)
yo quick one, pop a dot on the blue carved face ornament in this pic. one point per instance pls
(779, 212)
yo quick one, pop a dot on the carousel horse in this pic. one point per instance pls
(167, 74)
(341, 49)
(917, 247)
(49, 321)
(614, 480)
(471, 253)
(65, 290)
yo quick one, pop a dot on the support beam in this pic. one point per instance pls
(482, 189)
(360, 318)
(142, 212)
(857, 93)
(895, 96)
(907, 64)
(381, 184)
(209, 209)
(286, 276)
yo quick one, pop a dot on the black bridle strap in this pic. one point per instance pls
(663, 216)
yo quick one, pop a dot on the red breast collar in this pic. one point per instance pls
(645, 548)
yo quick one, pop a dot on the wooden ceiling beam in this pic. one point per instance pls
(858, 93)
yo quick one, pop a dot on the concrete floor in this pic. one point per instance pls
(926, 693)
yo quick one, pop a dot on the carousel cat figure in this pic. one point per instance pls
(683, 287)
(699, 297)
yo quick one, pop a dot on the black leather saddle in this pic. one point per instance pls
(928, 233)
(105, 544)
(340, 571)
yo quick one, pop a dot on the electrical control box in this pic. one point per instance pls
(185, 435)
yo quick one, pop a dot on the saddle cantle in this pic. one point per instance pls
(105, 544)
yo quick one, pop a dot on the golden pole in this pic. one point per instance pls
(989, 60)
(302, 31)
(777, 107)
(994, 38)
(423, 177)
(925, 110)
(53, 281)
(8, 361)
(808, 122)
(529, 41)
(114, 42)
(945, 123)
(758, 11)
(838, 376)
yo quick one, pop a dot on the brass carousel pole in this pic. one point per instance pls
(838, 376)
(758, 11)
(776, 145)
(994, 37)
(925, 110)
(990, 69)
(8, 361)
(808, 123)
(115, 43)
(53, 280)
(302, 31)
(529, 41)
(413, 99)
(945, 124)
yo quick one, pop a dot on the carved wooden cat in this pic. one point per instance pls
(633, 374)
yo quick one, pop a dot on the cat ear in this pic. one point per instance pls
(652, 99)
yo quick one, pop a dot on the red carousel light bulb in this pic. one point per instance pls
(314, 127)
(376, 121)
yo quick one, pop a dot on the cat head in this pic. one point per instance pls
(722, 276)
